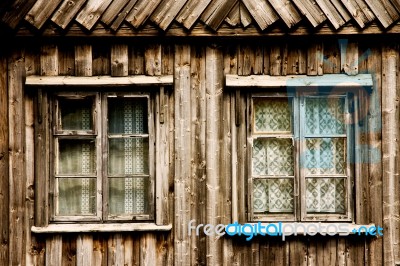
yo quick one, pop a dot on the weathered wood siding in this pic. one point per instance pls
(205, 138)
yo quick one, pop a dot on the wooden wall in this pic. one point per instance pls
(206, 148)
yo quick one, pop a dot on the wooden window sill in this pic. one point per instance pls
(88, 228)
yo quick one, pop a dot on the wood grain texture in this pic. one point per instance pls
(384, 11)
(390, 151)
(49, 60)
(332, 58)
(262, 12)
(119, 60)
(331, 13)
(17, 171)
(92, 12)
(245, 17)
(349, 57)
(66, 59)
(84, 250)
(136, 60)
(83, 60)
(152, 59)
(214, 85)
(191, 11)
(311, 10)
(69, 250)
(66, 12)
(287, 12)
(113, 10)
(141, 11)
(315, 58)
(216, 12)
(356, 12)
(4, 163)
(233, 17)
(15, 12)
(54, 250)
(166, 12)
(122, 15)
(101, 59)
(40, 12)
(182, 152)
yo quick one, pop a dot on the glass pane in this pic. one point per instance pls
(325, 156)
(273, 195)
(76, 196)
(325, 116)
(325, 195)
(272, 114)
(76, 114)
(127, 116)
(128, 195)
(77, 157)
(273, 156)
(128, 156)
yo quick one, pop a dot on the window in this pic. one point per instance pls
(102, 157)
(301, 156)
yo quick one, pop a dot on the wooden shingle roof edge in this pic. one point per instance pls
(198, 17)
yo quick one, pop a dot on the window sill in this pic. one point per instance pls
(88, 228)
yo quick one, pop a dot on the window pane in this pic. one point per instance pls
(325, 156)
(128, 156)
(127, 116)
(76, 196)
(76, 114)
(76, 157)
(272, 115)
(273, 156)
(273, 195)
(128, 195)
(325, 116)
(326, 195)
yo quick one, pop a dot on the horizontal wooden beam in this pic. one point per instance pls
(99, 81)
(330, 80)
(87, 228)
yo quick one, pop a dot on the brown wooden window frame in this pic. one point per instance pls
(101, 136)
(298, 141)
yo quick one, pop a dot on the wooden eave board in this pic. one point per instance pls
(384, 11)
(331, 13)
(216, 12)
(121, 16)
(92, 12)
(311, 10)
(67, 12)
(330, 80)
(16, 12)
(262, 12)
(191, 12)
(166, 12)
(141, 11)
(41, 11)
(113, 10)
(286, 11)
(233, 17)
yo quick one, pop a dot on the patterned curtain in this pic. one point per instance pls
(128, 156)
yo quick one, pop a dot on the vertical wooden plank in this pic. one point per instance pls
(32, 60)
(275, 61)
(119, 60)
(198, 130)
(230, 60)
(390, 151)
(30, 175)
(84, 250)
(332, 56)
(182, 153)
(297, 60)
(128, 244)
(349, 57)
(115, 250)
(4, 178)
(152, 58)
(315, 58)
(372, 64)
(214, 84)
(341, 251)
(83, 60)
(245, 60)
(101, 59)
(69, 250)
(136, 60)
(17, 174)
(54, 250)
(66, 59)
(148, 243)
(298, 251)
(136, 249)
(167, 58)
(49, 60)
(162, 159)
(99, 256)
